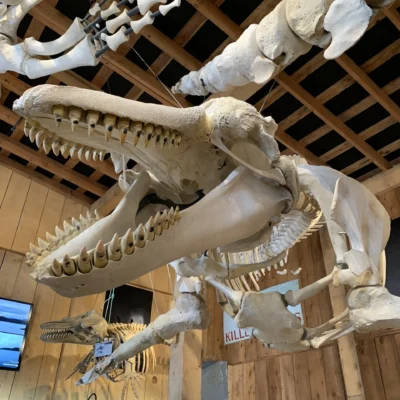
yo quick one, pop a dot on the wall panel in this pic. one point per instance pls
(27, 211)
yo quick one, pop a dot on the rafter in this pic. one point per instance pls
(369, 85)
(331, 120)
(393, 15)
(384, 181)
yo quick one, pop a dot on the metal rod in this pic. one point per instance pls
(128, 32)
(99, 19)
(131, 13)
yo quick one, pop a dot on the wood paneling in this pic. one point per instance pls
(315, 374)
(27, 211)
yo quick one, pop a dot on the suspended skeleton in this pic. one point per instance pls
(91, 328)
(289, 31)
(82, 42)
(244, 206)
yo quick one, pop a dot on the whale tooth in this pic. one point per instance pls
(164, 220)
(40, 137)
(68, 228)
(148, 133)
(114, 249)
(58, 113)
(177, 214)
(42, 244)
(136, 129)
(109, 125)
(84, 264)
(57, 268)
(95, 155)
(92, 119)
(158, 224)
(150, 230)
(76, 224)
(88, 155)
(123, 127)
(27, 128)
(178, 139)
(47, 144)
(59, 233)
(157, 135)
(64, 150)
(81, 154)
(68, 266)
(32, 133)
(51, 238)
(128, 243)
(102, 155)
(171, 216)
(56, 146)
(172, 140)
(100, 259)
(75, 115)
(73, 151)
(34, 249)
(165, 138)
(140, 236)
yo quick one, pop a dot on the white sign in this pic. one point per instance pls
(103, 349)
(233, 334)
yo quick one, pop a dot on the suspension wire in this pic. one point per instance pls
(170, 282)
(265, 99)
(109, 303)
(165, 87)
(154, 294)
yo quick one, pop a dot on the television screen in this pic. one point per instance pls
(14, 322)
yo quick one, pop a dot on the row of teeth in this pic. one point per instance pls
(94, 120)
(44, 248)
(114, 250)
(54, 335)
(51, 142)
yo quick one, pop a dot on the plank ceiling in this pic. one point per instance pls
(343, 113)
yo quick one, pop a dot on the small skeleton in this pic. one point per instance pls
(90, 328)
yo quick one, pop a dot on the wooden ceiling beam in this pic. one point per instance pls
(393, 15)
(384, 181)
(350, 113)
(45, 181)
(369, 85)
(215, 15)
(331, 120)
(344, 83)
(50, 165)
(297, 148)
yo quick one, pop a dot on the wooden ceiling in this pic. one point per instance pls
(343, 113)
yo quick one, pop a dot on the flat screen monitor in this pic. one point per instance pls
(14, 323)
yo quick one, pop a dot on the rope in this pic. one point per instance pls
(165, 87)
(154, 294)
(265, 99)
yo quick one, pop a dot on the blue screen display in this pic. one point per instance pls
(14, 320)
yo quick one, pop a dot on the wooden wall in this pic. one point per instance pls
(27, 211)
(259, 373)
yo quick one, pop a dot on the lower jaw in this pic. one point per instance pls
(241, 206)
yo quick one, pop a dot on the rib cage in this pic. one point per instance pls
(298, 224)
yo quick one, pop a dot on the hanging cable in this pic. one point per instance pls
(154, 294)
(165, 87)
(265, 99)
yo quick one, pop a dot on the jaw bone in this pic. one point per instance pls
(176, 145)
(87, 328)
(237, 208)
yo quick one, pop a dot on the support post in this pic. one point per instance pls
(347, 345)
(185, 365)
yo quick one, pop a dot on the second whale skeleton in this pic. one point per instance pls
(83, 43)
(218, 167)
